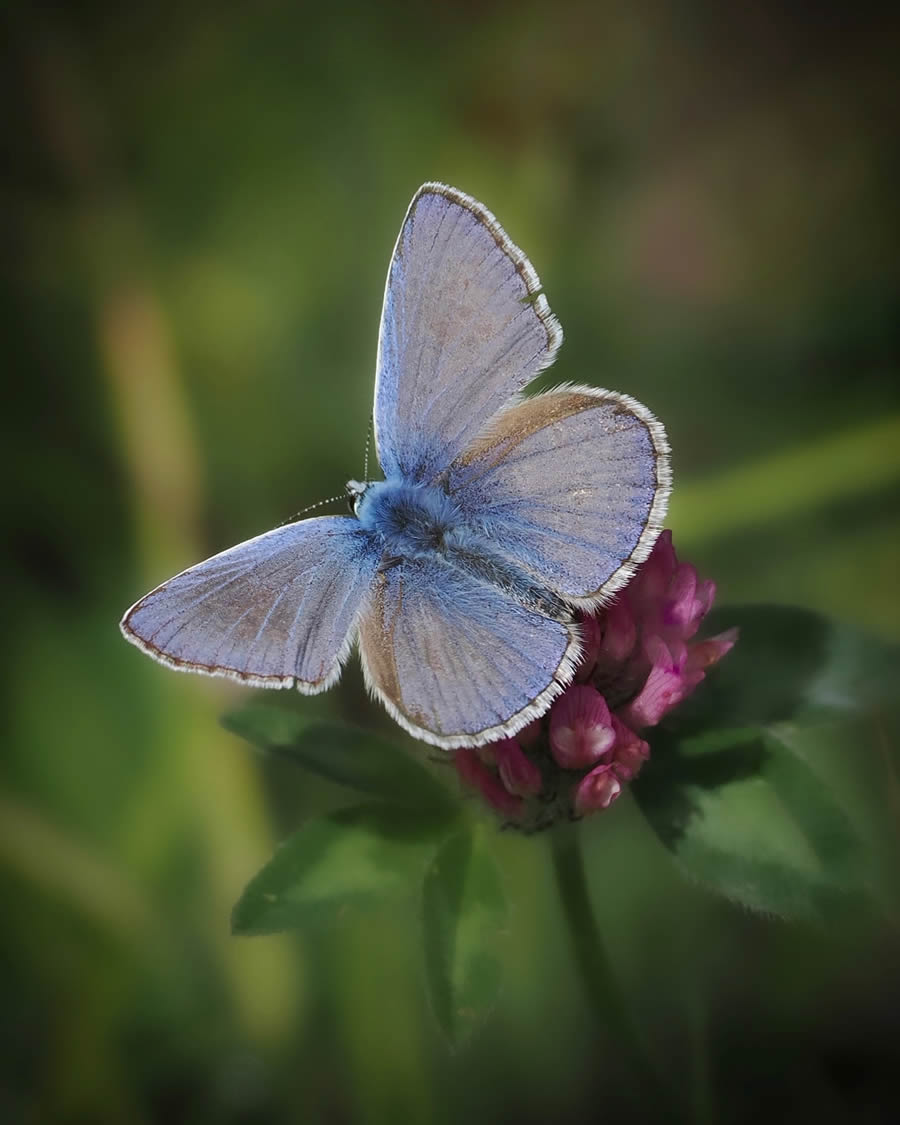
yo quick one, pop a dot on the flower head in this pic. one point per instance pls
(640, 660)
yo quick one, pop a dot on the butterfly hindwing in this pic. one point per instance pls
(571, 484)
(464, 327)
(456, 661)
(279, 610)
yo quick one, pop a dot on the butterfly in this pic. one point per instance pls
(460, 574)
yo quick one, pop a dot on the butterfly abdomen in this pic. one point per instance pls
(471, 554)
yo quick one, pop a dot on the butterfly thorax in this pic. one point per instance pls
(413, 519)
(422, 521)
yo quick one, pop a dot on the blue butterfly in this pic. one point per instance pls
(459, 574)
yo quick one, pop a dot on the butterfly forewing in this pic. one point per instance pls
(464, 327)
(279, 610)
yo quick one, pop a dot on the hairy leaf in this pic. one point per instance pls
(335, 862)
(344, 754)
(464, 920)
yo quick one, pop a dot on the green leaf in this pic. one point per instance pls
(353, 855)
(746, 815)
(789, 664)
(344, 754)
(754, 781)
(464, 923)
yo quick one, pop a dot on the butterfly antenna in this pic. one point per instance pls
(366, 458)
(312, 507)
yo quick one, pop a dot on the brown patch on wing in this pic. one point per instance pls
(182, 664)
(520, 422)
(376, 636)
(516, 424)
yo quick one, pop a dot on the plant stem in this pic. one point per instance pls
(601, 990)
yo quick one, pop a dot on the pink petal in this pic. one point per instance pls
(620, 634)
(596, 791)
(630, 753)
(473, 771)
(703, 654)
(580, 727)
(664, 688)
(706, 595)
(529, 735)
(518, 773)
(486, 754)
(669, 655)
(649, 584)
(679, 601)
(591, 636)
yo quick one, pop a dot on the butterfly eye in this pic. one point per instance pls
(355, 490)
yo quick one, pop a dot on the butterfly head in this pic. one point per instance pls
(355, 491)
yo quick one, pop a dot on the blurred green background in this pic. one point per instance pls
(201, 201)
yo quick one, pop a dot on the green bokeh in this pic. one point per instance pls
(201, 202)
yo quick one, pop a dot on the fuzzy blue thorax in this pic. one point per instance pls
(414, 519)
(421, 520)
